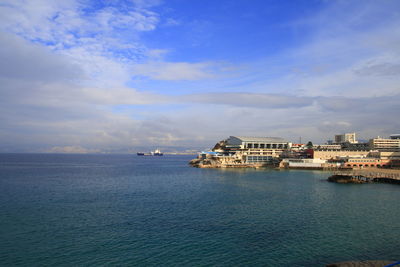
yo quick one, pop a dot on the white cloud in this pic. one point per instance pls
(64, 70)
(25, 61)
(61, 97)
(175, 70)
(379, 69)
(71, 149)
(268, 101)
(121, 96)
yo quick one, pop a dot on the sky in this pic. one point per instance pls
(120, 76)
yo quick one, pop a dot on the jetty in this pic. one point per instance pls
(371, 175)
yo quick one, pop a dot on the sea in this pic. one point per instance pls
(126, 210)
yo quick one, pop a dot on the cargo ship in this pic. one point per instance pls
(156, 152)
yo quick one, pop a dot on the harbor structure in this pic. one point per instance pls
(243, 151)
(366, 176)
(256, 149)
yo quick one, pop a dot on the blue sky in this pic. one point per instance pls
(234, 31)
(124, 75)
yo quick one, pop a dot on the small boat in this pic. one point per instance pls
(156, 152)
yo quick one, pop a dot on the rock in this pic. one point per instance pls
(342, 179)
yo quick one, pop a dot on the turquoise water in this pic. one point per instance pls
(118, 210)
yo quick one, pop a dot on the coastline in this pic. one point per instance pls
(339, 174)
(362, 176)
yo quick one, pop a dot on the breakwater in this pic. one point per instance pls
(366, 176)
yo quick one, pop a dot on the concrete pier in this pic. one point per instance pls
(366, 176)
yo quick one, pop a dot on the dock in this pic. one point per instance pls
(366, 176)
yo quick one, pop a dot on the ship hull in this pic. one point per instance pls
(150, 154)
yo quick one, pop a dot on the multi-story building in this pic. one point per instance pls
(329, 147)
(240, 151)
(347, 137)
(256, 149)
(336, 154)
(385, 144)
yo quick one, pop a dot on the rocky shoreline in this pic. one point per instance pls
(340, 179)
(213, 163)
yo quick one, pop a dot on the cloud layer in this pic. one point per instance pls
(82, 78)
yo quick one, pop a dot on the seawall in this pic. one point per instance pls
(375, 175)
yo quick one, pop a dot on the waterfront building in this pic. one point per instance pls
(257, 143)
(393, 157)
(297, 147)
(385, 144)
(306, 164)
(367, 163)
(335, 154)
(256, 149)
(243, 151)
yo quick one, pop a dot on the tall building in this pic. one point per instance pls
(345, 138)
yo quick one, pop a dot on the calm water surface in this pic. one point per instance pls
(89, 210)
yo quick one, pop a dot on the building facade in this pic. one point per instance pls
(257, 149)
(243, 151)
(337, 154)
(367, 163)
(347, 137)
(385, 144)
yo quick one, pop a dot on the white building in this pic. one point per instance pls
(304, 163)
(255, 149)
(385, 144)
(347, 137)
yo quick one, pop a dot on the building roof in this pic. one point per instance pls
(260, 139)
(395, 136)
